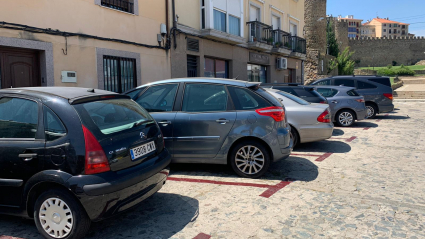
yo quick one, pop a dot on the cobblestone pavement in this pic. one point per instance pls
(365, 182)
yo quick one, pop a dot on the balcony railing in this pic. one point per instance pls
(298, 44)
(121, 5)
(281, 39)
(260, 32)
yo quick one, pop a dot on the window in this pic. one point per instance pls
(322, 82)
(352, 93)
(204, 98)
(119, 73)
(158, 98)
(203, 14)
(275, 22)
(219, 20)
(134, 93)
(257, 73)
(293, 98)
(385, 30)
(18, 118)
(245, 99)
(385, 25)
(53, 126)
(234, 25)
(216, 68)
(192, 66)
(344, 82)
(395, 25)
(326, 92)
(364, 85)
(390, 31)
(121, 5)
(302, 93)
(254, 13)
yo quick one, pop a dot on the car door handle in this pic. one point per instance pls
(334, 101)
(164, 122)
(222, 121)
(27, 157)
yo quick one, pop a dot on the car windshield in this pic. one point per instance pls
(115, 115)
(293, 98)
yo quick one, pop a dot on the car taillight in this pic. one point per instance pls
(277, 113)
(324, 117)
(323, 102)
(96, 161)
(360, 100)
(389, 96)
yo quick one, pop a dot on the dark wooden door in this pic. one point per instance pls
(19, 68)
(292, 76)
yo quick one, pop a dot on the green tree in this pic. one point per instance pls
(343, 62)
(332, 43)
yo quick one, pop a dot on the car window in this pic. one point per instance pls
(115, 115)
(293, 98)
(344, 82)
(302, 93)
(204, 98)
(289, 90)
(322, 82)
(53, 126)
(158, 98)
(364, 85)
(327, 92)
(352, 93)
(18, 118)
(134, 93)
(245, 99)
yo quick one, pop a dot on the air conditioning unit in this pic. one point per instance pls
(281, 63)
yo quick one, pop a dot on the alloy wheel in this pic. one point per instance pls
(249, 159)
(345, 118)
(370, 111)
(56, 218)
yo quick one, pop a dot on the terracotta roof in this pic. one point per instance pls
(381, 20)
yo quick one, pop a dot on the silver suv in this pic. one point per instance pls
(218, 121)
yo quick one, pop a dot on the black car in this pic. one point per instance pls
(70, 156)
(376, 91)
(306, 93)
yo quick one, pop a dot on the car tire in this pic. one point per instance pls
(295, 137)
(371, 110)
(244, 164)
(345, 118)
(55, 206)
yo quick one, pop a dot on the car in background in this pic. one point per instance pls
(218, 121)
(376, 91)
(346, 104)
(74, 155)
(306, 93)
(309, 122)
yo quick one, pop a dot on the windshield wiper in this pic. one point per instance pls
(141, 122)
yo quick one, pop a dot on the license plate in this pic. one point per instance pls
(142, 150)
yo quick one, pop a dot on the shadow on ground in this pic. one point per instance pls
(290, 169)
(325, 146)
(18, 227)
(364, 124)
(160, 216)
(393, 117)
(337, 132)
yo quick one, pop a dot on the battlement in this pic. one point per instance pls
(386, 38)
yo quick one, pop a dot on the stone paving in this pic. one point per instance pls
(365, 182)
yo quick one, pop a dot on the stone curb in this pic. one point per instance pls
(409, 100)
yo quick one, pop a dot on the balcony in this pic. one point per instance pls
(298, 46)
(121, 5)
(260, 36)
(281, 42)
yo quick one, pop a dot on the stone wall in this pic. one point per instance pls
(341, 33)
(383, 51)
(364, 72)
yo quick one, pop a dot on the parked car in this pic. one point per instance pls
(218, 121)
(74, 155)
(306, 93)
(309, 122)
(376, 91)
(346, 104)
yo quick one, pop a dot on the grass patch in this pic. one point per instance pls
(414, 67)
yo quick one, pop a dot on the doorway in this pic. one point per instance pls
(257, 73)
(19, 68)
(292, 76)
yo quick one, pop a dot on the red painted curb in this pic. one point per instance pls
(323, 157)
(202, 236)
(351, 139)
(367, 128)
(308, 155)
(274, 189)
(9, 237)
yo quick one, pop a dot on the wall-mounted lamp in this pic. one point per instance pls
(160, 37)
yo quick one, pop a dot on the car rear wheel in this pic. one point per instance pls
(345, 118)
(250, 159)
(295, 137)
(371, 110)
(58, 215)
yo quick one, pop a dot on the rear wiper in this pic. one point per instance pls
(141, 122)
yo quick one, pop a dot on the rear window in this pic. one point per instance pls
(289, 90)
(245, 99)
(344, 82)
(115, 115)
(352, 93)
(327, 92)
(363, 85)
(304, 93)
(383, 81)
(293, 98)
(322, 82)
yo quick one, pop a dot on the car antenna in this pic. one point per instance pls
(90, 90)
(236, 77)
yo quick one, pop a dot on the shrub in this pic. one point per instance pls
(386, 72)
(404, 71)
(389, 66)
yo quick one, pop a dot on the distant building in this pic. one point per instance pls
(354, 25)
(384, 27)
(367, 30)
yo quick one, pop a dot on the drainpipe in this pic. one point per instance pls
(174, 23)
(167, 24)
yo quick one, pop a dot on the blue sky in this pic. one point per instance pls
(407, 11)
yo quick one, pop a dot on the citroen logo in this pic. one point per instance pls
(142, 135)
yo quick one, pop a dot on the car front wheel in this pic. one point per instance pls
(58, 215)
(250, 159)
(345, 118)
(371, 110)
